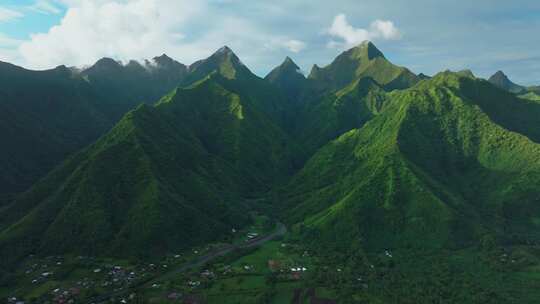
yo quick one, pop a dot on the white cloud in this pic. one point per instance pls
(7, 14)
(94, 29)
(6, 41)
(294, 45)
(350, 36)
(44, 7)
(136, 29)
(385, 29)
(8, 48)
(291, 45)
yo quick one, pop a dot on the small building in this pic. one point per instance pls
(274, 265)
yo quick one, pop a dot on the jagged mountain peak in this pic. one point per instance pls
(423, 76)
(467, 73)
(287, 66)
(288, 61)
(315, 68)
(224, 50)
(224, 61)
(499, 79)
(107, 62)
(365, 50)
(225, 53)
(164, 60)
(134, 64)
(288, 77)
(167, 63)
(363, 60)
(104, 65)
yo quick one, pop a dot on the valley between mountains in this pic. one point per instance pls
(393, 187)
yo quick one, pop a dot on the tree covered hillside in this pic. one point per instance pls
(432, 171)
(45, 116)
(165, 177)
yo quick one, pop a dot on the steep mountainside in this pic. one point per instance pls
(165, 177)
(346, 94)
(336, 113)
(47, 115)
(295, 88)
(500, 80)
(433, 170)
(289, 78)
(504, 108)
(44, 116)
(444, 162)
(266, 96)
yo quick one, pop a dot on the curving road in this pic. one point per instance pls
(280, 230)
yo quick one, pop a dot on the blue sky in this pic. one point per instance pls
(425, 35)
(32, 20)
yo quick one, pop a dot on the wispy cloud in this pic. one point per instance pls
(7, 14)
(39, 6)
(44, 7)
(349, 35)
(8, 48)
(294, 45)
(6, 41)
(291, 45)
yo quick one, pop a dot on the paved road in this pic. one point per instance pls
(279, 231)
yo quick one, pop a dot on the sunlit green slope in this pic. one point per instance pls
(433, 170)
(365, 60)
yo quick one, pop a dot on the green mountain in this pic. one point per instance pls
(224, 61)
(48, 115)
(432, 170)
(505, 108)
(423, 76)
(531, 96)
(148, 82)
(268, 98)
(532, 93)
(359, 158)
(333, 114)
(534, 89)
(289, 78)
(500, 80)
(44, 116)
(165, 177)
(346, 94)
(364, 60)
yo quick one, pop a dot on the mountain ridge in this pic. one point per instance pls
(364, 60)
(363, 149)
(421, 160)
(164, 163)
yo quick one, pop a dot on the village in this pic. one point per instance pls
(280, 270)
(72, 279)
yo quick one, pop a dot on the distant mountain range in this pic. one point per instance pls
(362, 153)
